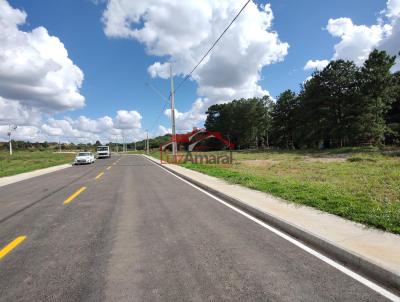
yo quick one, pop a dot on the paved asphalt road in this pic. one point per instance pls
(138, 233)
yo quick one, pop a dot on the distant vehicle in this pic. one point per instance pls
(103, 151)
(84, 158)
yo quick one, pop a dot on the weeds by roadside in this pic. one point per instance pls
(25, 161)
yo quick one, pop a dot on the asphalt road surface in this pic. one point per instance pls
(137, 233)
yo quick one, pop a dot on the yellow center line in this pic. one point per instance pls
(100, 175)
(12, 245)
(109, 168)
(73, 196)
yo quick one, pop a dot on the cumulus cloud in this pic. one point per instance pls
(357, 41)
(12, 112)
(159, 70)
(393, 9)
(163, 130)
(316, 64)
(37, 78)
(182, 31)
(125, 124)
(35, 69)
(21, 133)
(185, 121)
(128, 119)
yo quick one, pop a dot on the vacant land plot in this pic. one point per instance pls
(362, 185)
(25, 161)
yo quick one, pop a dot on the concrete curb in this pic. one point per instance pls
(350, 259)
(7, 180)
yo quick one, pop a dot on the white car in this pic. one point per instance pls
(84, 158)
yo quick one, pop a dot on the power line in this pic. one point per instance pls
(159, 116)
(157, 91)
(211, 48)
(198, 64)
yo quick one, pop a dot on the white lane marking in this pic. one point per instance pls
(343, 269)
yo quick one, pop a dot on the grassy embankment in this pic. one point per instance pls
(25, 161)
(362, 185)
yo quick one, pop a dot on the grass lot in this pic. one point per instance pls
(362, 185)
(25, 161)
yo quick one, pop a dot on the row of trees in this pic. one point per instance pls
(53, 146)
(341, 105)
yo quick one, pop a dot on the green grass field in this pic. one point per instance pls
(25, 161)
(362, 185)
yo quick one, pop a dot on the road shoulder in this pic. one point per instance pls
(370, 251)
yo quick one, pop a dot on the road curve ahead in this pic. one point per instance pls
(124, 229)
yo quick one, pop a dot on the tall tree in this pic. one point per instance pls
(376, 96)
(243, 122)
(327, 102)
(393, 116)
(284, 119)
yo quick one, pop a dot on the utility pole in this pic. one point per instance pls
(116, 142)
(10, 129)
(59, 145)
(135, 146)
(174, 147)
(147, 142)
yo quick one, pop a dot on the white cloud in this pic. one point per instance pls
(357, 41)
(82, 129)
(125, 123)
(99, 125)
(393, 9)
(182, 31)
(316, 64)
(35, 69)
(128, 120)
(159, 70)
(185, 121)
(37, 78)
(21, 133)
(163, 130)
(12, 112)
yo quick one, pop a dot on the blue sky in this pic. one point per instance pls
(115, 66)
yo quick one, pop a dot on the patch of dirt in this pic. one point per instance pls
(336, 159)
(260, 162)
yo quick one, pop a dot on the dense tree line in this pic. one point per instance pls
(341, 105)
(45, 146)
(54, 146)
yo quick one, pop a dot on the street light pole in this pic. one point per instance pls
(174, 147)
(147, 142)
(9, 138)
(10, 129)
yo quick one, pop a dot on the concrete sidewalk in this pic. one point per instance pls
(378, 247)
(23, 176)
